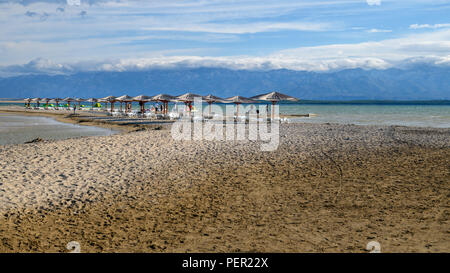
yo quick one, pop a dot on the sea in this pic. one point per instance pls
(17, 129)
(436, 116)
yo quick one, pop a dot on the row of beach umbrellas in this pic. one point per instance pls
(188, 98)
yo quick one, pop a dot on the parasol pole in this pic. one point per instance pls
(273, 109)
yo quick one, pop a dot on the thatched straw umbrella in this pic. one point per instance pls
(92, 100)
(126, 99)
(27, 102)
(68, 99)
(57, 100)
(105, 102)
(110, 99)
(142, 99)
(210, 99)
(46, 100)
(238, 100)
(79, 100)
(37, 101)
(188, 98)
(274, 97)
(164, 98)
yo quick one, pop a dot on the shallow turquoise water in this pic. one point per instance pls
(406, 115)
(16, 129)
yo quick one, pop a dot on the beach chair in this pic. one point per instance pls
(240, 118)
(116, 114)
(280, 120)
(133, 114)
(197, 118)
(159, 116)
(150, 115)
(174, 115)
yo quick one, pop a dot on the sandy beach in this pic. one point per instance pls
(327, 188)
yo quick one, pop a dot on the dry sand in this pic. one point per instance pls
(327, 188)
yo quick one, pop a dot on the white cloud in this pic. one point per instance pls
(73, 2)
(373, 2)
(435, 44)
(234, 62)
(375, 30)
(243, 28)
(128, 28)
(417, 26)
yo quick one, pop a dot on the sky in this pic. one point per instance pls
(59, 36)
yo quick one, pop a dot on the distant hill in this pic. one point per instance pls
(415, 83)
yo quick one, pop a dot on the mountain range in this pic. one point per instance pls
(421, 82)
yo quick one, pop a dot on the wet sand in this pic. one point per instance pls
(327, 188)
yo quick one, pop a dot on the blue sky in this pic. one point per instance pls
(58, 35)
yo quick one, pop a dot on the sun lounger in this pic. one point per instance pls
(160, 116)
(197, 118)
(117, 114)
(174, 115)
(240, 118)
(132, 114)
(150, 115)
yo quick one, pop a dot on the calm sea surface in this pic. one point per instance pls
(407, 115)
(15, 129)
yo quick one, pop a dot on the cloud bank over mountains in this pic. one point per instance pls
(43, 66)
